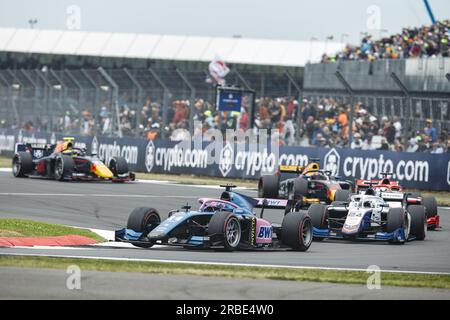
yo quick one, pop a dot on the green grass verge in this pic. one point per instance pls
(28, 228)
(442, 197)
(330, 276)
(5, 162)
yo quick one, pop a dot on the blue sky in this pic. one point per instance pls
(281, 19)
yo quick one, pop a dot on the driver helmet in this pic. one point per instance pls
(316, 175)
(379, 191)
(367, 204)
(65, 146)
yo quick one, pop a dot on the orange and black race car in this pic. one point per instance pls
(309, 185)
(387, 185)
(63, 161)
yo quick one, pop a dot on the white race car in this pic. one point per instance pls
(374, 215)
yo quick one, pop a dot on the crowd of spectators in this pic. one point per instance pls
(326, 124)
(323, 123)
(311, 124)
(425, 41)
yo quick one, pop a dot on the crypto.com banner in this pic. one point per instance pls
(413, 170)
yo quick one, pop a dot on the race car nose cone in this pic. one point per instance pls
(102, 171)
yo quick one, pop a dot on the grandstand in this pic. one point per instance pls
(136, 84)
(160, 67)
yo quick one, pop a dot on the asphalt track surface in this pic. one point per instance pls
(106, 206)
(25, 283)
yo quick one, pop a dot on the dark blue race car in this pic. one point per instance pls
(227, 223)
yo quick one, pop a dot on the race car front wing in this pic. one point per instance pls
(395, 236)
(137, 238)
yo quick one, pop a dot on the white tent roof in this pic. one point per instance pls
(165, 47)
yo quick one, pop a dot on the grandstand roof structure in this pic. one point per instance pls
(165, 47)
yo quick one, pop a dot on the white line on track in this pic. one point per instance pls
(217, 263)
(168, 183)
(95, 246)
(171, 183)
(91, 195)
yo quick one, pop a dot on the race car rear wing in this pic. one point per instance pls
(363, 185)
(312, 166)
(23, 146)
(37, 150)
(291, 169)
(367, 183)
(391, 196)
(271, 203)
(400, 197)
(362, 182)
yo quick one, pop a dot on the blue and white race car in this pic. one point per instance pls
(370, 216)
(228, 223)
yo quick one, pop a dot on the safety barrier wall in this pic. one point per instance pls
(413, 170)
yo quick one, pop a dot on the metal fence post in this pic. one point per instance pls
(8, 89)
(139, 98)
(115, 97)
(166, 95)
(352, 107)
(96, 98)
(242, 79)
(22, 86)
(63, 101)
(297, 116)
(80, 91)
(408, 98)
(2, 78)
(263, 85)
(49, 98)
(252, 112)
(192, 100)
(34, 84)
(448, 106)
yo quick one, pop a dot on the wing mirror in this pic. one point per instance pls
(264, 204)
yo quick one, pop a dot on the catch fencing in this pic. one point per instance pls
(412, 89)
(413, 170)
(109, 101)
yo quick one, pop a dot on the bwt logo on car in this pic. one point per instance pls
(265, 233)
(108, 151)
(180, 157)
